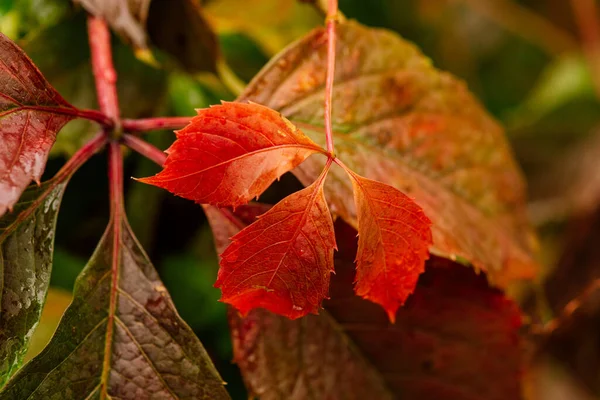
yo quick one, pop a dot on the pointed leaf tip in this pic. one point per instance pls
(231, 153)
(393, 243)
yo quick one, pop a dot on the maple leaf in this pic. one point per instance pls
(394, 236)
(350, 350)
(282, 262)
(31, 113)
(231, 153)
(399, 121)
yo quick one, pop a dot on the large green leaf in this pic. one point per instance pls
(398, 120)
(121, 337)
(26, 246)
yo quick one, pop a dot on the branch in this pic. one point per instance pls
(586, 15)
(154, 124)
(331, 20)
(102, 65)
(144, 148)
(570, 311)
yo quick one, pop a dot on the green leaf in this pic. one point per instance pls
(26, 246)
(121, 337)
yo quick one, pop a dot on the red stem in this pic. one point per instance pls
(332, 10)
(144, 148)
(80, 157)
(102, 65)
(96, 116)
(115, 176)
(153, 124)
(72, 165)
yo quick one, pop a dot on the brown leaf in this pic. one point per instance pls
(175, 26)
(31, 113)
(399, 121)
(455, 338)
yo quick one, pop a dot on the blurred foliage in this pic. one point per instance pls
(522, 58)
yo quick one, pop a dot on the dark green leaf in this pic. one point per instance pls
(121, 337)
(26, 246)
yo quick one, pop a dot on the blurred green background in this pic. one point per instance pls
(521, 58)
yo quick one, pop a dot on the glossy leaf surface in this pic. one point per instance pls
(229, 154)
(31, 113)
(399, 121)
(282, 262)
(121, 337)
(26, 248)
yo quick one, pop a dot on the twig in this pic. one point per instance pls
(153, 124)
(586, 15)
(144, 148)
(570, 309)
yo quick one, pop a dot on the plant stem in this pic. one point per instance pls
(144, 148)
(102, 65)
(117, 213)
(586, 15)
(115, 177)
(72, 165)
(153, 124)
(80, 157)
(96, 116)
(332, 8)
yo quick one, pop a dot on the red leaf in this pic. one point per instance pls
(231, 153)
(452, 335)
(394, 236)
(282, 262)
(31, 113)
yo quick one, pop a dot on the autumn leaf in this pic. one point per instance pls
(394, 236)
(399, 121)
(351, 351)
(176, 26)
(121, 336)
(229, 154)
(282, 262)
(31, 113)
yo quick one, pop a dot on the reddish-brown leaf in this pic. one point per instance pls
(394, 236)
(456, 338)
(31, 113)
(398, 120)
(282, 262)
(231, 153)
